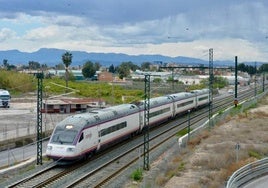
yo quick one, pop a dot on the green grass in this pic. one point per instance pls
(183, 131)
(137, 175)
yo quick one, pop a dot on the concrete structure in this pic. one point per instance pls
(71, 105)
(162, 75)
(61, 73)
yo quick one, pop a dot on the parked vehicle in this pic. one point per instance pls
(4, 98)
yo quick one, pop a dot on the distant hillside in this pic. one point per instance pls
(51, 57)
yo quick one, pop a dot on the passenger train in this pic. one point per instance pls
(81, 135)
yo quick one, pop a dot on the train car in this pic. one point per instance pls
(4, 98)
(183, 102)
(81, 135)
(202, 97)
(161, 109)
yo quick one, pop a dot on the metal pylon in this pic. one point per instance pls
(210, 85)
(146, 121)
(40, 77)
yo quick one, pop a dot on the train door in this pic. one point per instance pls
(196, 101)
(99, 138)
(173, 108)
(80, 143)
(141, 112)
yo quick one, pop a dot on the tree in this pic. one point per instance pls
(67, 60)
(34, 65)
(218, 82)
(241, 67)
(112, 69)
(124, 69)
(7, 66)
(5, 63)
(145, 66)
(263, 68)
(97, 66)
(89, 69)
(246, 68)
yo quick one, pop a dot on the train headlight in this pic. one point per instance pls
(70, 149)
(49, 148)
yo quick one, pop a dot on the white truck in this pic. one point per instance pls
(4, 98)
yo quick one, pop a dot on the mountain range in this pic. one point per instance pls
(52, 57)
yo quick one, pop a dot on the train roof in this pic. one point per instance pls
(200, 91)
(79, 121)
(157, 101)
(119, 110)
(182, 95)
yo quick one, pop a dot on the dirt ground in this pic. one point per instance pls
(21, 119)
(210, 158)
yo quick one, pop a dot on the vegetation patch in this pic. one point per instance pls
(137, 175)
(183, 132)
(254, 154)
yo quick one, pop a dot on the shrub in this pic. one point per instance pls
(137, 175)
(254, 154)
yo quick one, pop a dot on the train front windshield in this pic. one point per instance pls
(64, 136)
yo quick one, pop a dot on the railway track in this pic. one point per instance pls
(101, 169)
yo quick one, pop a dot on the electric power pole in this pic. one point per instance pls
(210, 85)
(40, 77)
(236, 83)
(146, 121)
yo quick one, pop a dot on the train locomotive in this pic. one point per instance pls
(81, 135)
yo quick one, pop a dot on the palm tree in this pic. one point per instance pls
(67, 60)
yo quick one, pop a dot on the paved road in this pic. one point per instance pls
(261, 182)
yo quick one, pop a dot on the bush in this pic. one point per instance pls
(137, 175)
(254, 154)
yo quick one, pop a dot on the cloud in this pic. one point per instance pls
(6, 34)
(168, 27)
(47, 33)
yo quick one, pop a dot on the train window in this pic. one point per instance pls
(203, 98)
(113, 128)
(185, 103)
(132, 106)
(81, 137)
(159, 112)
(64, 137)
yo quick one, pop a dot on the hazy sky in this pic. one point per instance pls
(168, 27)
